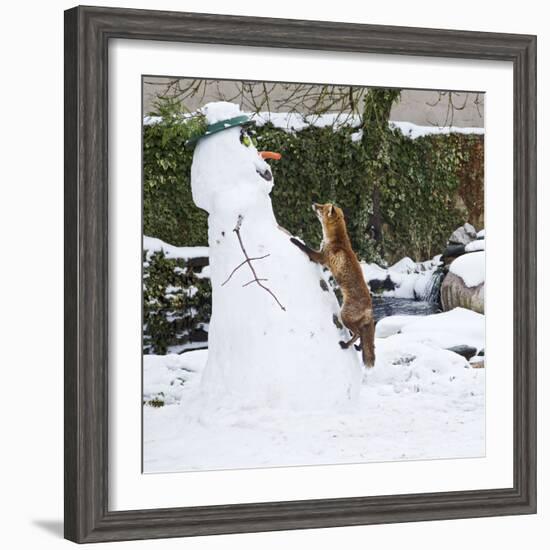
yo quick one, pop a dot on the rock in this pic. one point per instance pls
(481, 352)
(377, 285)
(463, 235)
(455, 293)
(451, 252)
(477, 363)
(466, 351)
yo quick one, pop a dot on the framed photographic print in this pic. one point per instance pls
(300, 273)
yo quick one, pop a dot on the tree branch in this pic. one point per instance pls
(248, 261)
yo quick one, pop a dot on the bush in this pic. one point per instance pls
(421, 201)
(176, 303)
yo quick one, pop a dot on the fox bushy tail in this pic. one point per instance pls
(367, 344)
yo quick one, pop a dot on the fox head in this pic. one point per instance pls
(330, 216)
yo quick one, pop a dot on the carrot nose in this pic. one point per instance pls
(270, 155)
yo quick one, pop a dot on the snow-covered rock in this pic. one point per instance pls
(261, 355)
(456, 293)
(475, 246)
(405, 279)
(470, 268)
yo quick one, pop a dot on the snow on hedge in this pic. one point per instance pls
(152, 245)
(415, 131)
(470, 268)
(295, 122)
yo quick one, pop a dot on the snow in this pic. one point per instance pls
(481, 234)
(274, 387)
(204, 273)
(470, 268)
(259, 354)
(404, 265)
(164, 376)
(295, 122)
(419, 402)
(152, 245)
(373, 272)
(411, 279)
(415, 131)
(220, 110)
(442, 330)
(475, 246)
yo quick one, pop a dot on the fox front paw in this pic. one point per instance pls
(343, 345)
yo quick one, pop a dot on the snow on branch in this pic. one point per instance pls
(248, 261)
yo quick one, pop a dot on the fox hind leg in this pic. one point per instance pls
(346, 345)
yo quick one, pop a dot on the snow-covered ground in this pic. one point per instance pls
(420, 401)
(470, 267)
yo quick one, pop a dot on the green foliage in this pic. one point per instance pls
(416, 185)
(168, 209)
(176, 302)
(157, 402)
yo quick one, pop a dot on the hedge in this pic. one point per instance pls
(432, 185)
(177, 299)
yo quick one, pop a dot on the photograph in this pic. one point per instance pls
(313, 274)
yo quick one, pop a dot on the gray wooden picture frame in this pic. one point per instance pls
(87, 34)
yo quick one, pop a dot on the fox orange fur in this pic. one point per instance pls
(337, 254)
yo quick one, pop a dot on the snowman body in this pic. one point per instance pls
(259, 354)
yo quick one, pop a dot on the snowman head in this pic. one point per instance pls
(227, 168)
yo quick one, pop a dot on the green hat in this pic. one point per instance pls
(219, 127)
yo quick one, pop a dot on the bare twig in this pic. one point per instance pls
(249, 261)
(241, 264)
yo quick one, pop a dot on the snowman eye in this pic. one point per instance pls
(245, 139)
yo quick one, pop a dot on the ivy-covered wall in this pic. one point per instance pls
(433, 184)
(177, 302)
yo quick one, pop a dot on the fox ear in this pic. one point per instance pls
(331, 210)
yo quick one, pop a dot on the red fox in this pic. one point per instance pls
(337, 254)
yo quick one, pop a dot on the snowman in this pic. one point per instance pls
(272, 340)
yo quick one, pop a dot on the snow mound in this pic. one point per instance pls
(404, 265)
(443, 330)
(470, 268)
(152, 245)
(393, 324)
